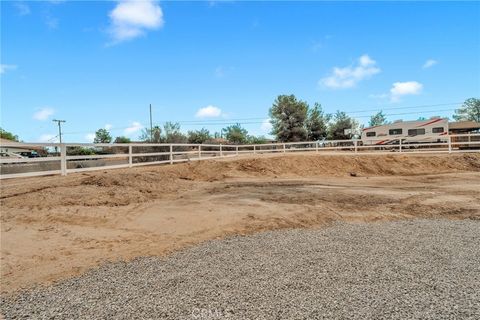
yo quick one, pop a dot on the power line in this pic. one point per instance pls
(234, 121)
(412, 107)
(252, 120)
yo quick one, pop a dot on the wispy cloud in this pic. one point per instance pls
(348, 77)
(316, 45)
(266, 126)
(429, 63)
(5, 67)
(23, 9)
(43, 114)
(132, 18)
(108, 126)
(89, 137)
(51, 22)
(209, 112)
(400, 89)
(134, 128)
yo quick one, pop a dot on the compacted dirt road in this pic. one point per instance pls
(56, 227)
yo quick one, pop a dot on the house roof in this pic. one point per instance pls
(15, 144)
(464, 125)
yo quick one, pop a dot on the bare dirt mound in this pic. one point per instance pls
(138, 185)
(307, 165)
(56, 227)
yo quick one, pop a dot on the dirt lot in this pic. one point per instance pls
(55, 227)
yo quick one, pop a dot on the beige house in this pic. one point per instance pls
(14, 147)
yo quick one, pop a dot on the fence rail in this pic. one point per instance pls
(125, 155)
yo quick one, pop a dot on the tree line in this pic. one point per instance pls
(292, 120)
(171, 133)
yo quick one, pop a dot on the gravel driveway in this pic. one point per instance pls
(423, 269)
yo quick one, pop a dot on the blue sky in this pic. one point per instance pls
(100, 64)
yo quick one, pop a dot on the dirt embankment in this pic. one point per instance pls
(138, 185)
(56, 227)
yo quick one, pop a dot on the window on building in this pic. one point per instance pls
(395, 131)
(371, 134)
(437, 130)
(416, 132)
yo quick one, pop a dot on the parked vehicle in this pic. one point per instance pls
(410, 132)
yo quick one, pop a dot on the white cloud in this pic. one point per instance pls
(22, 8)
(51, 22)
(266, 126)
(348, 77)
(135, 127)
(43, 114)
(108, 126)
(209, 112)
(89, 137)
(48, 138)
(429, 63)
(400, 89)
(5, 67)
(131, 18)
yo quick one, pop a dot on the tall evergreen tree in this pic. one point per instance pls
(288, 116)
(317, 123)
(378, 119)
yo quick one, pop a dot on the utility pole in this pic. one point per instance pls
(151, 126)
(59, 128)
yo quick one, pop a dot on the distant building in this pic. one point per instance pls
(463, 127)
(16, 148)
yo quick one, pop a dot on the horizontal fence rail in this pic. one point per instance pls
(56, 158)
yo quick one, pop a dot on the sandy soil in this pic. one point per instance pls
(56, 227)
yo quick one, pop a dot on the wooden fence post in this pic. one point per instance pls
(130, 160)
(63, 159)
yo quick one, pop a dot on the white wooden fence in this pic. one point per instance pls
(124, 155)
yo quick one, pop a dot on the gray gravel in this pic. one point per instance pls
(423, 269)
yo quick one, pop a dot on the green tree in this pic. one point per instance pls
(8, 135)
(235, 134)
(199, 136)
(102, 136)
(122, 139)
(288, 116)
(317, 123)
(256, 139)
(341, 121)
(154, 137)
(469, 111)
(173, 133)
(378, 119)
